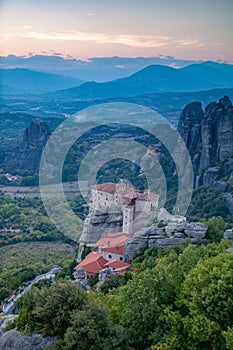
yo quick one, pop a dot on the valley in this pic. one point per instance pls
(166, 255)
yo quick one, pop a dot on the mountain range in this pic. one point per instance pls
(94, 68)
(151, 79)
(157, 78)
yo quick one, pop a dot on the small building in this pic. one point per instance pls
(93, 263)
(130, 200)
(117, 266)
(107, 252)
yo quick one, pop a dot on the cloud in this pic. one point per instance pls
(189, 42)
(4, 37)
(147, 41)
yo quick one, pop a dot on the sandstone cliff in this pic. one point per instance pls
(100, 222)
(165, 237)
(209, 138)
(25, 156)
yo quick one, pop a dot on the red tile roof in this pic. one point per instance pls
(129, 192)
(113, 239)
(119, 249)
(109, 187)
(117, 265)
(93, 263)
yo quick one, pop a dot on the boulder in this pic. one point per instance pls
(80, 276)
(103, 276)
(228, 234)
(14, 340)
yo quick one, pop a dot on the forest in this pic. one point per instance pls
(172, 299)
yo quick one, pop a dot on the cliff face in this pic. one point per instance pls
(25, 156)
(165, 237)
(209, 138)
(100, 222)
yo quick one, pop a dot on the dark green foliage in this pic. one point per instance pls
(154, 308)
(48, 311)
(92, 281)
(79, 206)
(173, 299)
(117, 169)
(20, 263)
(4, 293)
(67, 271)
(207, 202)
(216, 226)
(115, 282)
(85, 252)
(64, 310)
(92, 329)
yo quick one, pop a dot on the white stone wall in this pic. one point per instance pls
(102, 199)
(167, 217)
(112, 256)
(128, 217)
(164, 215)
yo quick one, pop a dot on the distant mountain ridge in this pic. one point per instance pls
(157, 78)
(94, 68)
(21, 80)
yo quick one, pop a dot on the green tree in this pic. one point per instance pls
(207, 300)
(49, 310)
(207, 202)
(228, 335)
(92, 329)
(216, 226)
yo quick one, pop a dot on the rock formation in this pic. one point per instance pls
(165, 237)
(25, 157)
(14, 340)
(81, 278)
(103, 276)
(208, 136)
(100, 222)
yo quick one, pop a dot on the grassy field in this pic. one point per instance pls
(23, 254)
(21, 262)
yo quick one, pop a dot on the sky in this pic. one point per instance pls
(188, 29)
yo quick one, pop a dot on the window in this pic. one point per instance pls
(121, 258)
(110, 256)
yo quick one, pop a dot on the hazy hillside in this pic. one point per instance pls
(95, 68)
(20, 80)
(157, 78)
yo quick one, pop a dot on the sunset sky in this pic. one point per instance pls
(200, 29)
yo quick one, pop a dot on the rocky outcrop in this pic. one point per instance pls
(189, 127)
(25, 157)
(14, 340)
(208, 136)
(165, 237)
(80, 276)
(100, 222)
(103, 276)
